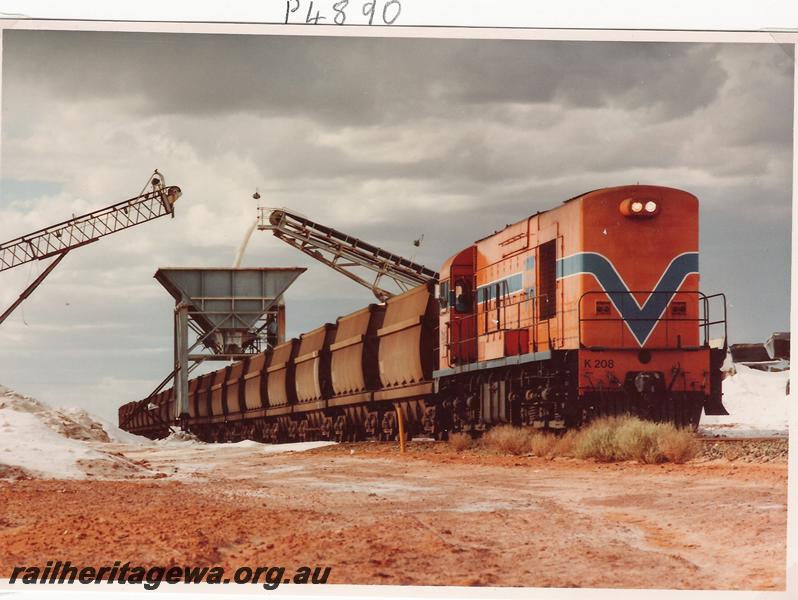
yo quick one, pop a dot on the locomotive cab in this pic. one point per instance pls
(457, 324)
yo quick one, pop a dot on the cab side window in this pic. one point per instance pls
(443, 295)
(462, 296)
(547, 275)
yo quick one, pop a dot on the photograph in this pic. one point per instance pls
(421, 308)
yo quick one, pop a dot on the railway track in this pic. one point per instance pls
(762, 438)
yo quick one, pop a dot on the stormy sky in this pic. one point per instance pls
(387, 139)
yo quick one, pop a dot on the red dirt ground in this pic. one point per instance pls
(431, 517)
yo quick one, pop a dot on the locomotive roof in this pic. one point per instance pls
(540, 212)
(583, 194)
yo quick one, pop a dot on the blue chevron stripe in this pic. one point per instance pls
(641, 320)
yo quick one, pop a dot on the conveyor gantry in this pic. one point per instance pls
(344, 253)
(56, 241)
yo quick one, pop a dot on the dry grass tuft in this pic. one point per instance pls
(679, 445)
(508, 440)
(543, 444)
(630, 438)
(460, 441)
(607, 439)
(564, 445)
(639, 440)
(597, 440)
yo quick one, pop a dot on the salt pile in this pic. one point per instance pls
(39, 441)
(757, 401)
(178, 436)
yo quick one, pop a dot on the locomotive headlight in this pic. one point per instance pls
(638, 207)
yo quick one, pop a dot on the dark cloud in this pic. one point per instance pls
(360, 80)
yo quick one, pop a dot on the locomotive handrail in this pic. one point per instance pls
(532, 322)
(703, 319)
(724, 321)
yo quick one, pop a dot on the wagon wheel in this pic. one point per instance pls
(293, 431)
(355, 431)
(372, 426)
(389, 426)
(326, 432)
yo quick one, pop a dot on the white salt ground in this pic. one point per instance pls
(54, 443)
(181, 438)
(294, 447)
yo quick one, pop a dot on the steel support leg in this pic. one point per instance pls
(29, 290)
(181, 362)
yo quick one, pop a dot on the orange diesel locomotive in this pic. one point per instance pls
(587, 309)
(591, 308)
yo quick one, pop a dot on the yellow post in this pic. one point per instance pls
(401, 429)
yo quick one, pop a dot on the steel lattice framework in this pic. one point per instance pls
(78, 231)
(57, 240)
(344, 252)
